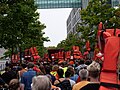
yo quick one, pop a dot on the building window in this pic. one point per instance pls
(58, 3)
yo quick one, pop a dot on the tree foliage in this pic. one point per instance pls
(116, 18)
(19, 25)
(71, 40)
(97, 11)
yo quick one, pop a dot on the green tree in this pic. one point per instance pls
(71, 40)
(97, 11)
(61, 44)
(116, 18)
(19, 25)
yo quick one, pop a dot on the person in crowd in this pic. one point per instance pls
(42, 68)
(73, 76)
(3, 84)
(67, 76)
(48, 69)
(83, 73)
(64, 67)
(60, 73)
(41, 82)
(62, 82)
(8, 75)
(80, 66)
(7, 64)
(54, 71)
(38, 71)
(76, 62)
(22, 70)
(15, 85)
(61, 63)
(94, 71)
(88, 62)
(53, 86)
(26, 77)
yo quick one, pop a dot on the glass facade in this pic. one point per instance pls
(84, 3)
(46, 4)
(72, 21)
(115, 2)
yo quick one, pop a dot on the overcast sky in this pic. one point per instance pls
(55, 21)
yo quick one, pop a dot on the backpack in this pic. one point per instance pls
(64, 85)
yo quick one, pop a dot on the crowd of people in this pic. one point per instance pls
(76, 75)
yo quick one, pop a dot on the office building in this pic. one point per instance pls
(72, 20)
(74, 17)
(115, 3)
(47, 4)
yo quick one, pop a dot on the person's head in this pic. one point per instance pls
(67, 74)
(41, 82)
(71, 69)
(65, 64)
(48, 69)
(94, 69)
(83, 73)
(60, 73)
(81, 62)
(14, 84)
(42, 68)
(30, 65)
(55, 67)
(24, 65)
(88, 62)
